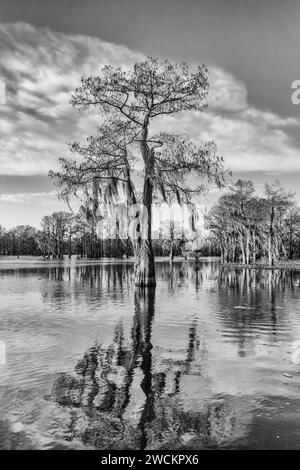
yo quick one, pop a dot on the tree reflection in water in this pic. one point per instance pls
(118, 400)
(252, 298)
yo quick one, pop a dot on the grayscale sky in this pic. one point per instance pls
(252, 49)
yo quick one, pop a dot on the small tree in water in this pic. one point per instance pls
(173, 167)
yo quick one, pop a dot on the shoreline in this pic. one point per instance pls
(288, 265)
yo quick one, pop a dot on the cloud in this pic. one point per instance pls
(261, 144)
(249, 140)
(40, 199)
(42, 67)
(226, 92)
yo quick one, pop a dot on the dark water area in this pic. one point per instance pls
(208, 359)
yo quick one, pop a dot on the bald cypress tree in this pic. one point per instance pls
(173, 167)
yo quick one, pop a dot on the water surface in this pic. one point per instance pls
(208, 359)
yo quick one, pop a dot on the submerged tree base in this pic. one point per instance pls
(145, 282)
(144, 266)
(144, 279)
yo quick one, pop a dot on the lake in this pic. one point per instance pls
(208, 359)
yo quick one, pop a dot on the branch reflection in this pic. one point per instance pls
(123, 396)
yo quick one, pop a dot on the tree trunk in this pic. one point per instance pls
(270, 250)
(222, 254)
(291, 242)
(271, 240)
(70, 243)
(144, 257)
(254, 248)
(242, 250)
(247, 246)
(171, 254)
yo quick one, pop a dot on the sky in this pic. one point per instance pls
(251, 48)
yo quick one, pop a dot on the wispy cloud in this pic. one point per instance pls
(40, 199)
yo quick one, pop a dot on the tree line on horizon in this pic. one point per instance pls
(241, 227)
(65, 234)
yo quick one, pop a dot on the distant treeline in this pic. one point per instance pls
(242, 227)
(247, 227)
(65, 234)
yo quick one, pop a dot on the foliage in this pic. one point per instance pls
(247, 227)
